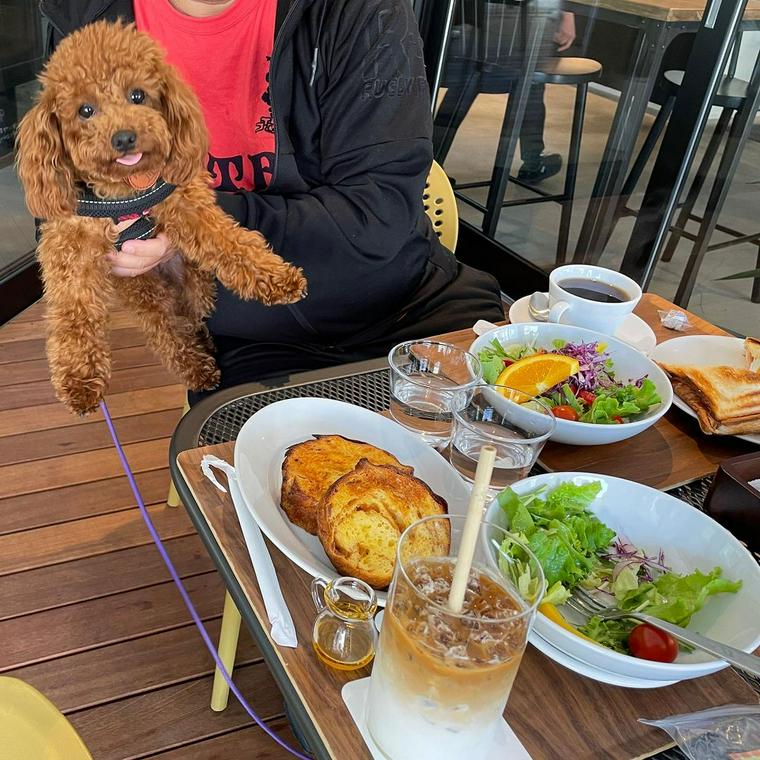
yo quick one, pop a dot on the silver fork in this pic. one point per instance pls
(581, 601)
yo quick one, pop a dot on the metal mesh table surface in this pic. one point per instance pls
(371, 390)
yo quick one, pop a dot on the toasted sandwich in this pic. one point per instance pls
(725, 399)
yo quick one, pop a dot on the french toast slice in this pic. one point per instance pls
(311, 467)
(364, 513)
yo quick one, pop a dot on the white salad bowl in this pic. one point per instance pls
(629, 364)
(653, 520)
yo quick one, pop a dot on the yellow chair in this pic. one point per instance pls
(441, 206)
(32, 727)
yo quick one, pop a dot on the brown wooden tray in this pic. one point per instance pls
(554, 712)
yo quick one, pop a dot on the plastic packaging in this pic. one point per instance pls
(674, 320)
(730, 732)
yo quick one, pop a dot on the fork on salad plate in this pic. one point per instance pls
(587, 605)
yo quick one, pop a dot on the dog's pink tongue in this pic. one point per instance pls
(130, 159)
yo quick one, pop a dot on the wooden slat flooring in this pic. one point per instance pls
(88, 613)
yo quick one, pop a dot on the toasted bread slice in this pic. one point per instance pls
(726, 400)
(365, 512)
(311, 467)
(752, 354)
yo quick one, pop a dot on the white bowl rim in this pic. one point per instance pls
(673, 668)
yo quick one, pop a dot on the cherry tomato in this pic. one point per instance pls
(649, 643)
(586, 396)
(565, 413)
(618, 419)
(507, 362)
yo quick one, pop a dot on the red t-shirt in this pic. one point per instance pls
(225, 59)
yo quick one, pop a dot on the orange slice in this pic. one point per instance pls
(536, 374)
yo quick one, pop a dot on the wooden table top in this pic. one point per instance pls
(665, 10)
(553, 711)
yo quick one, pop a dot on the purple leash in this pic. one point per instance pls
(183, 592)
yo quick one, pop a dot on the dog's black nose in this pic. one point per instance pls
(124, 140)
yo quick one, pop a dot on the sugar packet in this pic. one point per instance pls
(674, 319)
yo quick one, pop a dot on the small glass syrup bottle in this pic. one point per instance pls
(344, 634)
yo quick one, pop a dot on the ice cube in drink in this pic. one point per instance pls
(440, 681)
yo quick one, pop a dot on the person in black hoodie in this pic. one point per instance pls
(348, 107)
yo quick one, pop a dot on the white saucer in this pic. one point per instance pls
(505, 743)
(591, 671)
(634, 330)
(702, 351)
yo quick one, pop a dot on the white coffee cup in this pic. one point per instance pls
(570, 309)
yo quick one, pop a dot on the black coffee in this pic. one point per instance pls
(593, 290)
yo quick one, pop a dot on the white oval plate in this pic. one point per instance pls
(261, 445)
(653, 520)
(629, 364)
(702, 351)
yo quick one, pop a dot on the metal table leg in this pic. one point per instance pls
(598, 223)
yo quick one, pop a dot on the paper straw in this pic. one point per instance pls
(478, 497)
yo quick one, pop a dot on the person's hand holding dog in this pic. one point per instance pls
(139, 256)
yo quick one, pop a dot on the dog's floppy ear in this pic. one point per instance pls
(43, 166)
(187, 128)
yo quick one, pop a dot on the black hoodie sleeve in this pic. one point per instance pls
(374, 143)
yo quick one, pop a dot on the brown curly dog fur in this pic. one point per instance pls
(62, 148)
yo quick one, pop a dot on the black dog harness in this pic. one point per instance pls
(137, 207)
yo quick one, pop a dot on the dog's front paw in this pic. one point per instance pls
(202, 374)
(284, 286)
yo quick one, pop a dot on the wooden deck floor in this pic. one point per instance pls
(88, 614)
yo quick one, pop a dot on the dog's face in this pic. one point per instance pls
(110, 107)
(113, 126)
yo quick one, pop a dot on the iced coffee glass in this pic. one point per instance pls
(441, 680)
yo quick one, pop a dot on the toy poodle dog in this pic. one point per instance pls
(116, 135)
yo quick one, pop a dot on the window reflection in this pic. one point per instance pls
(21, 51)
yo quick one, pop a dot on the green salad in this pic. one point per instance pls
(576, 549)
(593, 394)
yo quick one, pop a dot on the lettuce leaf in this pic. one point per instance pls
(593, 535)
(622, 402)
(561, 533)
(569, 498)
(518, 516)
(609, 633)
(556, 594)
(492, 365)
(677, 598)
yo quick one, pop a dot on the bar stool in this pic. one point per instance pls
(577, 72)
(730, 97)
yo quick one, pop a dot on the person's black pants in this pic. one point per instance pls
(464, 81)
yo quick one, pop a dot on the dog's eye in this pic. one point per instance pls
(136, 97)
(86, 110)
